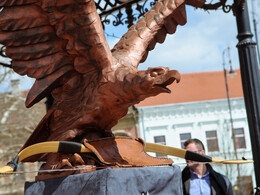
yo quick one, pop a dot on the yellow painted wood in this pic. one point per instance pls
(53, 146)
(44, 147)
(84, 149)
(162, 149)
(6, 169)
(231, 161)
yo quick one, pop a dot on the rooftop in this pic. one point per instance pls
(201, 86)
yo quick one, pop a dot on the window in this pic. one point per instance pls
(212, 141)
(239, 138)
(160, 140)
(184, 137)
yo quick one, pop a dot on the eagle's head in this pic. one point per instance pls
(127, 87)
(133, 86)
(155, 81)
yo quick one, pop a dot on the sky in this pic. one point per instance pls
(197, 46)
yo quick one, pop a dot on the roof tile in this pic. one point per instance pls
(201, 86)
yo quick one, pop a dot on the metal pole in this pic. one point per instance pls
(250, 80)
(229, 107)
(130, 17)
(255, 29)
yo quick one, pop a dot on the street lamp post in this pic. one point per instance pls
(231, 72)
(255, 29)
(250, 81)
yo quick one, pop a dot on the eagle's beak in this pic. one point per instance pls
(164, 77)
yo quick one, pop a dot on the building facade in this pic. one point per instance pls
(205, 115)
(16, 124)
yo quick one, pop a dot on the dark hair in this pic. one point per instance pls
(195, 141)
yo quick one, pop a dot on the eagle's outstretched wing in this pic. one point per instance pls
(52, 40)
(141, 38)
(48, 39)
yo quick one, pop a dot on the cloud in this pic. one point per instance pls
(198, 45)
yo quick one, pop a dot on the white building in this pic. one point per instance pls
(198, 108)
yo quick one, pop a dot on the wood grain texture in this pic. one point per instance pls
(62, 45)
(43, 36)
(141, 38)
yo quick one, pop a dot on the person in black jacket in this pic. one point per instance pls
(201, 179)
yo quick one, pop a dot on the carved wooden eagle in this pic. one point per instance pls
(61, 44)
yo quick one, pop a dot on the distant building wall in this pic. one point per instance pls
(208, 121)
(128, 125)
(16, 124)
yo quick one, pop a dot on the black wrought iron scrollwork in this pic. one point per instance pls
(118, 18)
(106, 5)
(226, 8)
(2, 51)
(215, 6)
(141, 9)
(126, 14)
(153, 3)
(2, 54)
(130, 17)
